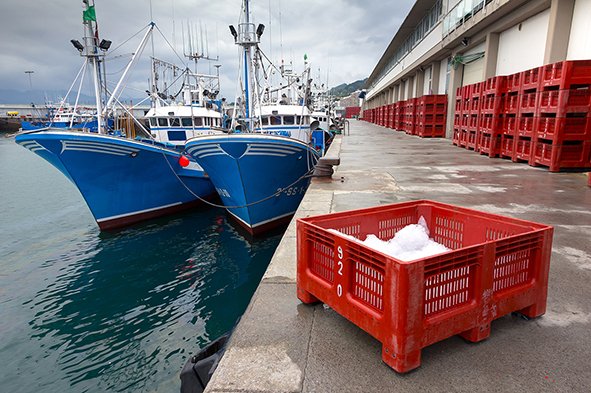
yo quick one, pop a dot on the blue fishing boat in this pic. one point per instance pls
(261, 179)
(122, 180)
(262, 172)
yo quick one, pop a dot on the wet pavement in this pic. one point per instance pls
(282, 345)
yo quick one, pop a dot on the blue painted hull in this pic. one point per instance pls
(261, 179)
(122, 181)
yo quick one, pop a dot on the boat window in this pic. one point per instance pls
(198, 121)
(152, 122)
(186, 122)
(175, 122)
(288, 120)
(163, 122)
(217, 122)
(275, 120)
(265, 120)
(207, 121)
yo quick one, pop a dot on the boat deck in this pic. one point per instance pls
(282, 345)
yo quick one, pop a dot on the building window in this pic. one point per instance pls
(422, 29)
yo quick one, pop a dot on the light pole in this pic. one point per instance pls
(30, 80)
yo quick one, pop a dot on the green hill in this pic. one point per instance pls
(343, 90)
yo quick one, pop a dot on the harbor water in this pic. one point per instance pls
(85, 311)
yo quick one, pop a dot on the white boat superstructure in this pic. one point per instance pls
(176, 123)
(285, 120)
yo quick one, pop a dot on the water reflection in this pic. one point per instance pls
(126, 309)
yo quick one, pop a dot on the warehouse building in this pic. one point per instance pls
(446, 44)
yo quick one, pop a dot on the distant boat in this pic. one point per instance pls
(64, 116)
(261, 173)
(122, 180)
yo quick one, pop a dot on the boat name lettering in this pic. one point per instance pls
(292, 191)
(223, 192)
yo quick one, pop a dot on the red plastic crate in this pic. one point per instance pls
(507, 149)
(563, 128)
(523, 149)
(566, 74)
(429, 118)
(511, 103)
(472, 138)
(508, 125)
(497, 265)
(528, 102)
(531, 79)
(567, 155)
(472, 123)
(525, 126)
(463, 142)
(563, 102)
(490, 104)
(488, 144)
(476, 89)
(486, 123)
(431, 130)
(474, 106)
(513, 83)
(495, 85)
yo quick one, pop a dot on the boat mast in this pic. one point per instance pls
(94, 56)
(247, 37)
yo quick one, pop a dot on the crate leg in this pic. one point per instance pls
(306, 297)
(534, 311)
(477, 334)
(401, 362)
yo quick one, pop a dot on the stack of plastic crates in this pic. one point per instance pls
(409, 116)
(489, 137)
(462, 116)
(563, 130)
(431, 115)
(497, 265)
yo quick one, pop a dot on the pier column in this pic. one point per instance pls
(419, 82)
(491, 53)
(435, 71)
(561, 16)
(455, 80)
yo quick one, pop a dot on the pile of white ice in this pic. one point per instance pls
(410, 243)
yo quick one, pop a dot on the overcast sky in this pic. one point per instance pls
(343, 39)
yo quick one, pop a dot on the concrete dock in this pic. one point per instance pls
(282, 345)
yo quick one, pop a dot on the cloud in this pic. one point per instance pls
(343, 39)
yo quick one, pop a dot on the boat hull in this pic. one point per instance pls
(122, 181)
(261, 179)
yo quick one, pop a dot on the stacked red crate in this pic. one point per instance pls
(409, 116)
(474, 103)
(431, 115)
(396, 124)
(458, 108)
(489, 135)
(562, 132)
(510, 108)
(524, 124)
